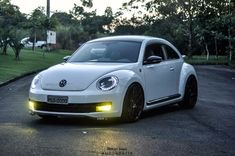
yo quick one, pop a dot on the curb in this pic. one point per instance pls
(19, 77)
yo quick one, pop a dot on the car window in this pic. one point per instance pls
(108, 51)
(171, 53)
(154, 50)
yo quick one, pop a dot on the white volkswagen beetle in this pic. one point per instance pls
(119, 76)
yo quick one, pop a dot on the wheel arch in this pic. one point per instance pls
(187, 71)
(137, 83)
(126, 79)
(130, 113)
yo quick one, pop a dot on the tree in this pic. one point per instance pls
(212, 29)
(17, 32)
(6, 21)
(13, 23)
(36, 23)
(63, 18)
(164, 9)
(89, 21)
(87, 3)
(15, 38)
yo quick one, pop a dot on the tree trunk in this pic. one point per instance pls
(190, 46)
(4, 50)
(34, 41)
(216, 49)
(229, 35)
(17, 55)
(190, 53)
(16, 48)
(207, 52)
(230, 44)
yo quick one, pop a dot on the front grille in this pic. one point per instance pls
(69, 108)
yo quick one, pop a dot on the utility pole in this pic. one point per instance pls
(48, 9)
(48, 18)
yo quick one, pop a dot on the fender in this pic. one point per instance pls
(186, 71)
(126, 78)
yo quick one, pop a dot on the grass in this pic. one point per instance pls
(29, 61)
(201, 60)
(33, 61)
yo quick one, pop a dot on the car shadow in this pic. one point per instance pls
(76, 121)
(88, 122)
(160, 111)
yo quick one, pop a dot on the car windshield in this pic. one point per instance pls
(108, 51)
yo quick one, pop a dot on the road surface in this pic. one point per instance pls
(208, 129)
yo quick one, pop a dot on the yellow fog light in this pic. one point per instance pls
(104, 107)
(31, 105)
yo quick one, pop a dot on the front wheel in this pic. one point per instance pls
(190, 94)
(133, 103)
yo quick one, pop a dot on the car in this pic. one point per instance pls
(115, 77)
(27, 44)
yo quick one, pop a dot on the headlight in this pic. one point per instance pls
(107, 83)
(36, 81)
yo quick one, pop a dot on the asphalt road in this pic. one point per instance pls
(208, 129)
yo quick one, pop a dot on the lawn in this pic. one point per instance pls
(201, 60)
(34, 61)
(29, 61)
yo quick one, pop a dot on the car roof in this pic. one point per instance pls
(137, 38)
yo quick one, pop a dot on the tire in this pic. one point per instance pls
(190, 94)
(133, 103)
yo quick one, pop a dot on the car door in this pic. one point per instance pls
(156, 75)
(174, 65)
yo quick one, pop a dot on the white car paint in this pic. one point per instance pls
(158, 81)
(27, 44)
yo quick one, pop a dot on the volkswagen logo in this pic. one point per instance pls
(62, 83)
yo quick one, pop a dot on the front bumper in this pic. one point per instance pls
(80, 103)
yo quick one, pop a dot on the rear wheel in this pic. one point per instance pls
(133, 103)
(190, 94)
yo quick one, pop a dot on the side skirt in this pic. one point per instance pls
(163, 99)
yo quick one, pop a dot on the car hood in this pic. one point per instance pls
(78, 76)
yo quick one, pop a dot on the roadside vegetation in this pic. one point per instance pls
(30, 61)
(213, 60)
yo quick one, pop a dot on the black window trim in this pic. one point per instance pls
(155, 42)
(165, 52)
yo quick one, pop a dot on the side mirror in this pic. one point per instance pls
(153, 59)
(66, 58)
(184, 56)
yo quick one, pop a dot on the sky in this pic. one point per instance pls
(27, 6)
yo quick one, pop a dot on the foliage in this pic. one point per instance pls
(37, 24)
(12, 24)
(84, 25)
(196, 27)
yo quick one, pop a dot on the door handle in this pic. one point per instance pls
(150, 66)
(172, 69)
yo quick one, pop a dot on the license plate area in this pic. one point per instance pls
(57, 99)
